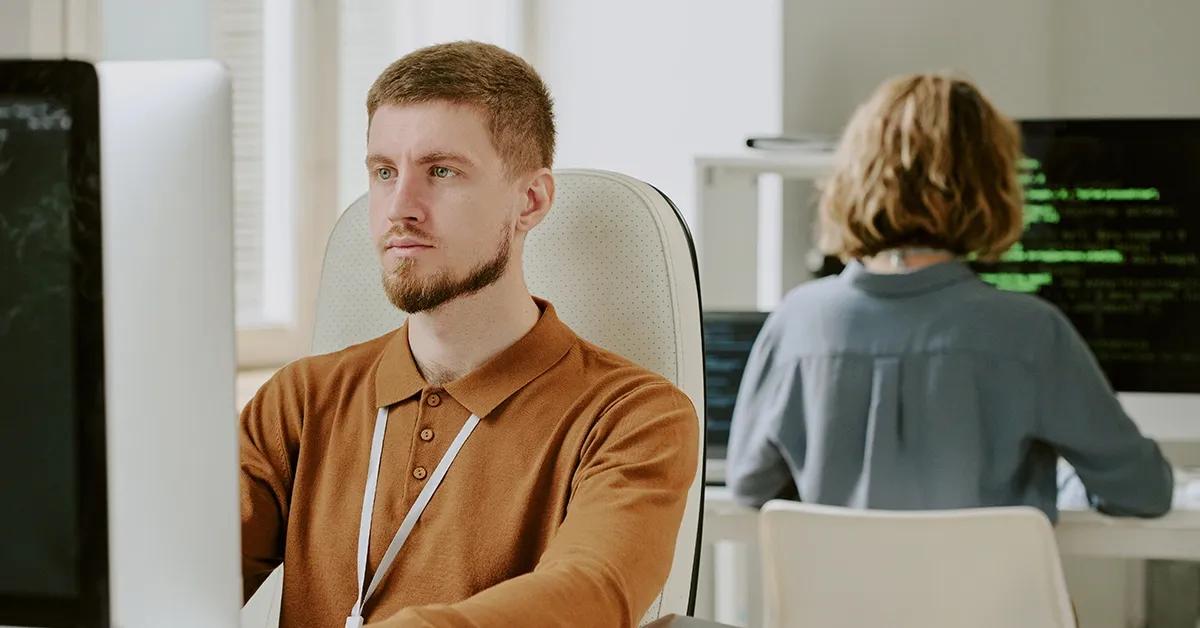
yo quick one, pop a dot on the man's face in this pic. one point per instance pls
(442, 207)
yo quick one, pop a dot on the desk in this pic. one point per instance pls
(1088, 533)
(730, 578)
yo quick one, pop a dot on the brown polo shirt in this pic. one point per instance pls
(561, 509)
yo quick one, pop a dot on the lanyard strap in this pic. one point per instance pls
(410, 520)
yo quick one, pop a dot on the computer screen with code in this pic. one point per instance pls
(1112, 237)
(728, 338)
(37, 440)
(53, 557)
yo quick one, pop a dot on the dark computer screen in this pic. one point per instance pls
(728, 338)
(52, 557)
(1112, 212)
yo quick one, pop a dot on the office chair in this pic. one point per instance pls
(615, 259)
(984, 567)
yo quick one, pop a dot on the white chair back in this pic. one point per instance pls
(986, 567)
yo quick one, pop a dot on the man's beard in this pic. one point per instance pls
(411, 294)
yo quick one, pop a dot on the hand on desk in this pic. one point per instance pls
(1073, 496)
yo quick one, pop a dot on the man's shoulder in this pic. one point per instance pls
(618, 377)
(637, 408)
(601, 363)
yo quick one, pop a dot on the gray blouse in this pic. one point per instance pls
(931, 390)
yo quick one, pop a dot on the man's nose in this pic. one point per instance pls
(409, 197)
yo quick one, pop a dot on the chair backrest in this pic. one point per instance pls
(617, 262)
(826, 566)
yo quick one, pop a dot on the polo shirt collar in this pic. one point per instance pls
(485, 388)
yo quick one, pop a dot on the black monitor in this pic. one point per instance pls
(53, 530)
(728, 338)
(1112, 209)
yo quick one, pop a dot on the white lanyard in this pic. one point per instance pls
(355, 619)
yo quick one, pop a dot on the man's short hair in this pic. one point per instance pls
(927, 161)
(507, 90)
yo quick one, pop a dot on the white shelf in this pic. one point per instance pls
(791, 164)
(727, 224)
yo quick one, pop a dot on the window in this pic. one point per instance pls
(283, 186)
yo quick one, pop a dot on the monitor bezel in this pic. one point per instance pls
(74, 84)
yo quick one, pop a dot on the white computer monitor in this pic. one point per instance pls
(118, 434)
(167, 163)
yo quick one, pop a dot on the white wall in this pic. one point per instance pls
(641, 87)
(838, 51)
(14, 28)
(153, 29)
(1034, 58)
(1126, 58)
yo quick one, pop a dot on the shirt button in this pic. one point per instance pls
(420, 473)
(434, 400)
(427, 435)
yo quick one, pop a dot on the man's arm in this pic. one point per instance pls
(269, 430)
(613, 552)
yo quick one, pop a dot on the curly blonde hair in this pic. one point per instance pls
(927, 161)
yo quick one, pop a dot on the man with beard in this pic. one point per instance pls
(481, 465)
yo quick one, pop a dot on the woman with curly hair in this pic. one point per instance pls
(906, 382)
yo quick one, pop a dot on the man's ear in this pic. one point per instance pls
(539, 196)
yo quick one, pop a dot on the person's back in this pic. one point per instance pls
(913, 384)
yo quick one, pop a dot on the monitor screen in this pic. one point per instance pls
(52, 558)
(1112, 212)
(728, 338)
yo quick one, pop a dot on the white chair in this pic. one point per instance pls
(615, 259)
(986, 567)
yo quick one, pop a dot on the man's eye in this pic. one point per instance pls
(441, 172)
(384, 174)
